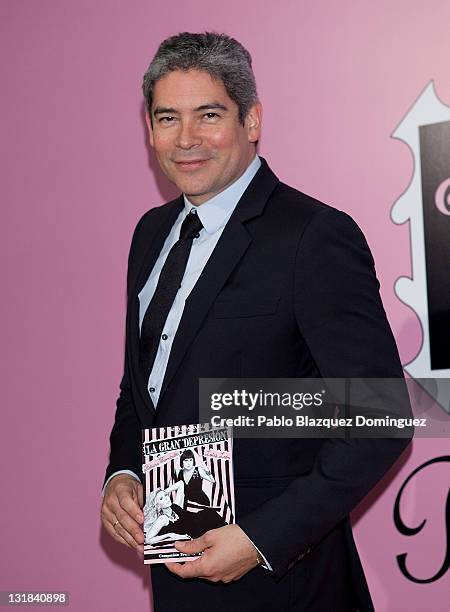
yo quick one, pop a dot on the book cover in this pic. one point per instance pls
(188, 486)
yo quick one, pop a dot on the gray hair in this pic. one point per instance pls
(219, 55)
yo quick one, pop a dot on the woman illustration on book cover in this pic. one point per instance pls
(166, 520)
(192, 475)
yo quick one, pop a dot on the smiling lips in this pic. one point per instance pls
(192, 164)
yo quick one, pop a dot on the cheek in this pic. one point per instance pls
(162, 144)
(224, 139)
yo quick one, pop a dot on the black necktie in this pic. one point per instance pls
(168, 284)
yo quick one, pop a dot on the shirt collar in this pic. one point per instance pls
(216, 211)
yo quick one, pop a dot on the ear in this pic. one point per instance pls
(149, 128)
(253, 122)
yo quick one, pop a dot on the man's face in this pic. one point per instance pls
(200, 144)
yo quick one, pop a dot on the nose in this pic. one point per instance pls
(188, 135)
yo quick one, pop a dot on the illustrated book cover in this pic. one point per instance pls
(188, 486)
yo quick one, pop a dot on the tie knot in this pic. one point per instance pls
(191, 226)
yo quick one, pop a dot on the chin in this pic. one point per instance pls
(192, 191)
(191, 185)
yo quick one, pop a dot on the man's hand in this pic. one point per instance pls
(227, 555)
(121, 512)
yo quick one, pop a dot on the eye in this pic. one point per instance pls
(168, 119)
(211, 115)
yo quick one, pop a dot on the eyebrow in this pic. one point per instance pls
(159, 110)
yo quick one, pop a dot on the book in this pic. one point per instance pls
(188, 486)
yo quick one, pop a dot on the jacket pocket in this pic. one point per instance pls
(246, 308)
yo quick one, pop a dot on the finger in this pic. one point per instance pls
(131, 541)
(193, 546)
(128, 529)
(107, 516)
(113, 533)
(130, 504)
(114, 511)
(189, 569)
(125, 491)
(119, 539)
(130, 526)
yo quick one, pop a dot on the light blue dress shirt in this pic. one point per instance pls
(213, 214)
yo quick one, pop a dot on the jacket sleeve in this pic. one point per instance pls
(342, 320)
(124, 451)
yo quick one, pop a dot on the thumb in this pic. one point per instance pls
(191, 546)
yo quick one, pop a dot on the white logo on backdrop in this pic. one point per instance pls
(427, 109)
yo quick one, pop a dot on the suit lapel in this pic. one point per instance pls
(231, 247)
(156, 241)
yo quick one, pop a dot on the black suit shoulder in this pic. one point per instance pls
(310, 223)
(150, 222)
(297, 202)
(302, 207)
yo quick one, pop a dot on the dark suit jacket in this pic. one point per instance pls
(289, 291)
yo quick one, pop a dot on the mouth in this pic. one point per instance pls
(191, 164)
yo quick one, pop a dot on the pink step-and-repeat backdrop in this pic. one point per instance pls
(351, 92)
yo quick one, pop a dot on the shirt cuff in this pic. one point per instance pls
(120, 472)
(266, 565)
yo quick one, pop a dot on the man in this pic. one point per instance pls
(268, 283)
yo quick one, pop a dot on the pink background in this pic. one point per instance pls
(335, 79)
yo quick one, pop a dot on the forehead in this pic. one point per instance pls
(186, 90)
